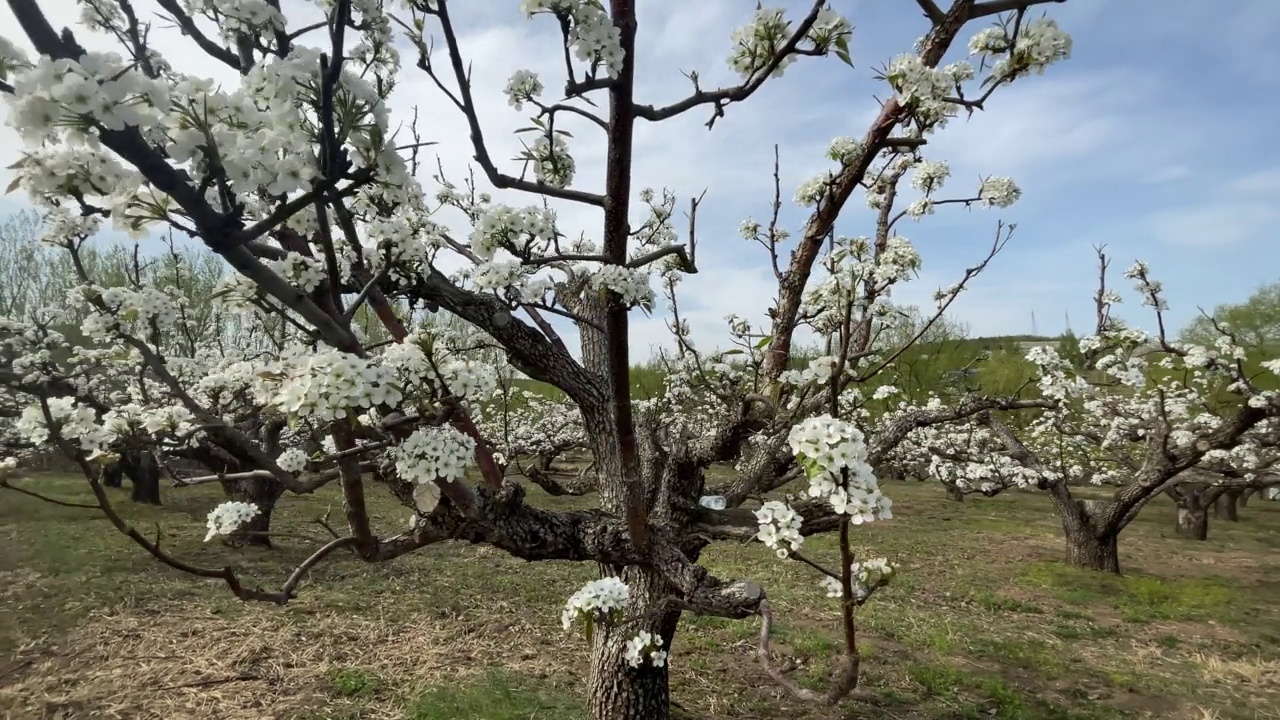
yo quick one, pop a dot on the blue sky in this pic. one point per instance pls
(1155, 138)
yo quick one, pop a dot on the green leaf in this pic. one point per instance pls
(764, 341)
(565, 133)
(12, 186)
(844, 56)
(528, 129)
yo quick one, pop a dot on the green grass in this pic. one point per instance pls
(983, 621)
(353, 682)
(495, 695)
(1136, 598)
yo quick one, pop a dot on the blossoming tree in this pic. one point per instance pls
(297, 179)
(1142, 413)
(43, 353)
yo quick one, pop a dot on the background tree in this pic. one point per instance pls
(1255, 323)
(1140, 413)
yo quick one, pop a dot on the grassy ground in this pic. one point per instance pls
(984, 622)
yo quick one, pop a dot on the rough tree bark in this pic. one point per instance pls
(616, 690)
(1193, 501)
(1090, 551)
(1192, 522)
(585, 482)
(113, 476)
(263, 493)
(1246, 494)
(543, 462)
(955, 493)
(1089, 546)
(1226, 507)
(144, 473)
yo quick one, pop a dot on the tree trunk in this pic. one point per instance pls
(113, 476)
(617, 691)
(1226, 506)
(1246, 494)
(144, 473)
(1090, 546)
(1087, 550)
(955, 493)
(256, 531)
(261, 492)
(1193, 500)
(1193, 521)
(543, 462)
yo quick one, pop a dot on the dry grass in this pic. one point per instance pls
(985, 622)
(1253, 672)
(176, 661)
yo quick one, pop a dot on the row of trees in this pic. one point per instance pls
(346, 347)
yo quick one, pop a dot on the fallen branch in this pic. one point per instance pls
(846, 677)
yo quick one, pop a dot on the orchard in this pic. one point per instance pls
(332, 314)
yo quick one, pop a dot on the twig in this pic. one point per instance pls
(64, 503)
(212, 681)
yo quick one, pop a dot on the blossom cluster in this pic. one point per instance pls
(305, 272)
(100, 86)
(292, 460)
(599, 600)
(644, 646)
(594, 37)
(552, 163)
(631, 283)
(470, 379)
(833, 455)
(438, 453)
(761, 41)
(523, 87)
(326, 384)
(8, 467)
(818, 372)
(866, 577)
(779, 527)
(1039, 44)
(134, 311)
(75, 422)
(229, 517)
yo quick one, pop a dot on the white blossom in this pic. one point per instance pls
(228, 517)
(598, 600)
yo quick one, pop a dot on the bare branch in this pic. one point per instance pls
(188, 26)
(30, 493)
(725, 96)
(468, 107)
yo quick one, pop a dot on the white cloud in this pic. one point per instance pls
(1054, 134)
(1228, 222)
(1259, 183)
(1042, 127)
(1237, 212)
(1169, 173)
